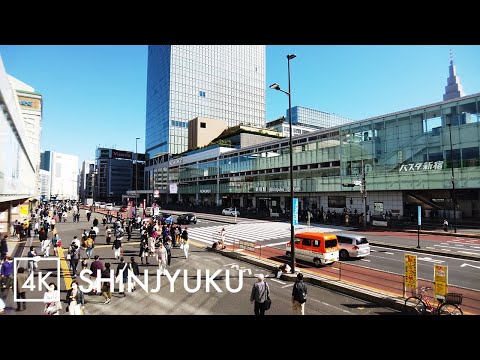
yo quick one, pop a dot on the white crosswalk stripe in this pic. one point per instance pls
(252, 232)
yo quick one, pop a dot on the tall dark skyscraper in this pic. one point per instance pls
(225, 82)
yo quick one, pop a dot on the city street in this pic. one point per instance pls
(320, 301)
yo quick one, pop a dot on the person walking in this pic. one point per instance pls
(133, 267)
(445, 225)
(117, 248)
(260, 293)
(186, 246)
(54, 243)
(74, 254)
(52, 305)
(94, 267)
(21, 279)
(106, 293)
(75, 300)
(143, 250)
(168, 247)
(3, 247)
(42, 236)
(299, 295)
(222, 238)
(162, 258)
(89, 244)
(108, 234)
(32, 264)
(122, 270)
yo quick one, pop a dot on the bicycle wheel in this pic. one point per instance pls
(450, 309)
(416, 304)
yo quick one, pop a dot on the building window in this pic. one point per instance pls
(202, 93)
(203, 125)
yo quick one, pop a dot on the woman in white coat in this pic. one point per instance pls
(162, 258)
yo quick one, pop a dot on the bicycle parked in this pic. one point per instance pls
(420, 304)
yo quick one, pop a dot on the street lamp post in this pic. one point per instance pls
(454, 197)
(136, 174)
(292, 229)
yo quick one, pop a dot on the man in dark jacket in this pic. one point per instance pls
(133, 267)
(299, 295)
(21, 279)
(122, 267)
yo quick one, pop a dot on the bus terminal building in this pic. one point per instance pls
(405, 158)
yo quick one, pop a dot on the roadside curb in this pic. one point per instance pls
(344, 288)
(443, 233)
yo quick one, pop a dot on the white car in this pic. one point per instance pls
(352, 245)
(102, 205)
(109, 206)
(230, 212)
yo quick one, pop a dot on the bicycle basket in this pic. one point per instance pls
(453, 298)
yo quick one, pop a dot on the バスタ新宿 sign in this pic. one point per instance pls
(428, 165)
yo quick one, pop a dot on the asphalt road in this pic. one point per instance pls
(180, 301)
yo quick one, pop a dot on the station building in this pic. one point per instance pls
(406, 158)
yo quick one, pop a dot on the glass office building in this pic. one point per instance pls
(315, 118)
(407, 157)
(225, 82)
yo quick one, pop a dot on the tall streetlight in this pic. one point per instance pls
(292, 230)
(454, 197)
(136, 174)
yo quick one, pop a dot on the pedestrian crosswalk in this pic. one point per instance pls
(256, 232)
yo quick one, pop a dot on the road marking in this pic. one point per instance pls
(278, 281)
(463, 265)
(335, 307)
(470, 241)
(371, 250)
(453, 247)
(469, 252)
(283, 287)
(67, 278)
(429, 259)
(389, 253)
(269, 245)
(365, 260)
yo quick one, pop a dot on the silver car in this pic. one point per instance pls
(230, 212)
(352, 245)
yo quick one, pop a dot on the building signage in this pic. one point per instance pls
(176, 162)
(121, 154)
(261, 189)
(410, 271)
(295, 211)
(26, 103)
(440, 276)
(428, 165)
(378, 206)
(286, 189)
(173, 188)
(205, 191)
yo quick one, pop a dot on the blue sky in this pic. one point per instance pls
(95, 95)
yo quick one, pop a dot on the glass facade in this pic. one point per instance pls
(403, 154)
(225, 82)
(315, 118)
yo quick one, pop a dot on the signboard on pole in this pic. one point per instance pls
(440, 276)
(295, 211)
(410, 271)
(419, 215)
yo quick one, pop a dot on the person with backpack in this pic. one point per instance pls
(185, 242)
(299, 295)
